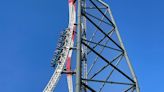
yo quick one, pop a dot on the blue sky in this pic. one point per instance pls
(29, 30)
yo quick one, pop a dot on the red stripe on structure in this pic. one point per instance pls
(70, 1)
(68, 65)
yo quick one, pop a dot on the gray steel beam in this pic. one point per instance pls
(102, 13)
(91, 89)
(102, 45)
(109, 82)
(78, 61)
(125, 53)
(102, 31)
(109, 63)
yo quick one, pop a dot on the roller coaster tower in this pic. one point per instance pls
(102, 63)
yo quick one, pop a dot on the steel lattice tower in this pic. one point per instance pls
(102, 63)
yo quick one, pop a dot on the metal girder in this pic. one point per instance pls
(105, 66)
(102, 45)
(102, 13)
(84, 47)
(102, 31)
(91, 89)
(79, 53)
(110, 82)
(109, 63)
(109, 33)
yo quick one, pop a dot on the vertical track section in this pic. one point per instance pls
(72, 26)
(64, 52)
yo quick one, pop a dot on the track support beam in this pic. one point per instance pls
(78, 61)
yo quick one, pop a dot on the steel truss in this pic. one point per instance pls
(99, 17)
(102, 63)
